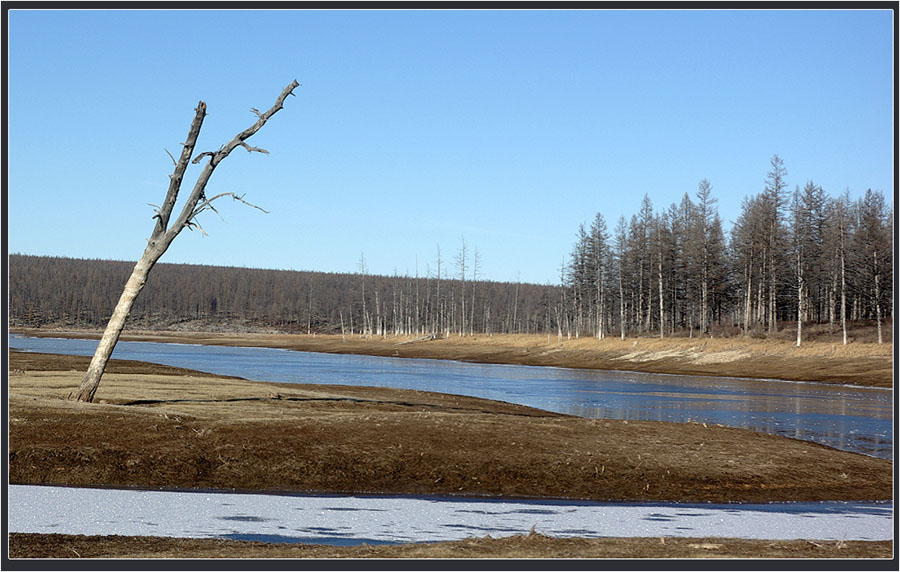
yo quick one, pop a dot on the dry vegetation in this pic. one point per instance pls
(160, 426)
(158, 429)
(514, 547)
(823, 361)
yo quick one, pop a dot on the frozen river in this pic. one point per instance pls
(346, 520)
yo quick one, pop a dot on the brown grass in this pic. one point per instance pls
(856, 363)
(515, 547)
(159, 429)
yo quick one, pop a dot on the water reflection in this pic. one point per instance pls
(849, 418)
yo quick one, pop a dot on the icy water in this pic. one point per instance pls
(349, 520)
(848, 418)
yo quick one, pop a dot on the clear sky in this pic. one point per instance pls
(415, 129)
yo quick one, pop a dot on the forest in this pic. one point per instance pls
(82, 293)
(791, 260)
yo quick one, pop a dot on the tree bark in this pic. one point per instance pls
(749, 296)
(133, 287)
(799, 298)
(877, 296)
(163, 234)
(843, 293)
(621, 306)
(662, 321)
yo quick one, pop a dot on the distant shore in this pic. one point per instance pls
(864, 364)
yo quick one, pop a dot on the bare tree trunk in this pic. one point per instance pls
(877, 295)
(659, 267)
(843, 296)
(799, 299)
(474, 281)
(133, 287)
(832, 301)
(621, 306)
(640, 301)
(749, 295)
(760, 307)
(379, 329)
(309, 313)
(773, 315)
(516, 306)
(662, 322)
(163, 235)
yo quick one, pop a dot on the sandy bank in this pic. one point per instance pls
(865, 364)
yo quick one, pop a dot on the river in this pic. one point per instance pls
(854, 419)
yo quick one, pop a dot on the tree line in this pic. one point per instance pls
(800, 257)
(453, 299)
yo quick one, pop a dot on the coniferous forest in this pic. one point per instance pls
(792, 259)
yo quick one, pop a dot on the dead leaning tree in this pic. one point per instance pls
(163, 234)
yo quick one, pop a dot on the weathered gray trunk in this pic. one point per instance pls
(133, 287)
(877, 297)
(749, 297)
(799, 298)
(163, 234)
(843, 299)
(621, 306)
(662, 321)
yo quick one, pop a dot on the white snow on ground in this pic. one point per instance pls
(374, 519)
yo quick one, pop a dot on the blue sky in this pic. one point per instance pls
(415, 129)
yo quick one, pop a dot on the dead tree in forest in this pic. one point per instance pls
(163, 234)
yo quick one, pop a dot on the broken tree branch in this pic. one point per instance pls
(252, 149)
(200, 157)
(177, 175)
(207, 204)
(187, 212)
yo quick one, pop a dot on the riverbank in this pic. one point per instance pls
(157, 426)
(864, 364)
(521, 546)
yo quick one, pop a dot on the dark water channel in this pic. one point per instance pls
(848, 418)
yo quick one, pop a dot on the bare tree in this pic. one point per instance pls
(461, 266)
(872, 250)
(476, 266)
(705, 215)
(841, 221)
(660, 224)
(599, 252)
(620, 261)
(163, 233)
(363, 271)
(774, 198)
